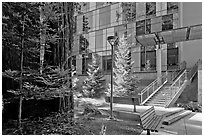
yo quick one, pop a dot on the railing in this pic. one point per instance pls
(173, 89)
(172, 76)
(193, 70)
(147, 91)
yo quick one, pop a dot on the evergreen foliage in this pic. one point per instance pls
(94, 84)
(124, 81)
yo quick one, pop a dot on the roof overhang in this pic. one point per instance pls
(171, 36)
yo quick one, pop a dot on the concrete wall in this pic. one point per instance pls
(191, 52)
(200, 84)
(191, 14)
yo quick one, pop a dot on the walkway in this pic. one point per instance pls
(189, 125)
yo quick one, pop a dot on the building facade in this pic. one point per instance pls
(96, 21)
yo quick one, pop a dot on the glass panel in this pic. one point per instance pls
(114, 18)
(83, 43)
(167, 22)
(172, 56)
(129, 11)
(84, 6)
(107, 63)
(172, 7)
(86, 24)
(86, 59)
(148, 26)
(99, 40)
(148, 59)
(104, 17)
(92, 42)
(140, 10)
(150, 9)
(140, 27)
(99, 4)
(79, 24)
(90, 20)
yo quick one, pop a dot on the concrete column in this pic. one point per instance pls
(200, 84)
(158, 62)
(79, 64)
(164, 57)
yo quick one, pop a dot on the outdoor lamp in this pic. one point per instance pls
(112, 40)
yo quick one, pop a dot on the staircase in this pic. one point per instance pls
(162, 97)
(169, 92)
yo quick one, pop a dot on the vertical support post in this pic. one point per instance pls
(159, 63)
(141, 98)
(111, 99)
(186, 77)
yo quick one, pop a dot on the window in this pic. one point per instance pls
(172, 7)
(86, 59)
(148, 26)
(99, 4)
(143, 27)
(79, 24)
(107, 63)
(83, 43)
(104, 17)
(129, 11)
(167, 22)
(74, 61)
(172, 56)
(148, 58)
(150, 9)
(86, 23)
(140, 27)
(84, 6)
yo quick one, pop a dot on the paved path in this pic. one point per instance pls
(190, 125)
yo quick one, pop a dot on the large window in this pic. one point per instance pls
(107, 63)
(104, 17)
(150, 9)
(140, 27)
(143, 27)
(83, 43)
(86, 59)
(172, 7)
(129, 11)
(167, 22)
(86, 23)
(172, 56)
(148, 58)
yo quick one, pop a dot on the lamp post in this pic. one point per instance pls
(112, 41)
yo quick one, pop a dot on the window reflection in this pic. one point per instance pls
(150, 9)
(172, 56)
(167, 22)
(172, 7)
(148, 58)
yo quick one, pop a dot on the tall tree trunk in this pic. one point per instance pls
(42, 38)
(70, 23)
(21, 75)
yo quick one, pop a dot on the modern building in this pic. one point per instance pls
(96, 21)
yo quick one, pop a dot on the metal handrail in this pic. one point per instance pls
(176, 84)
(152, 87)
(156, 84)
(193, 70)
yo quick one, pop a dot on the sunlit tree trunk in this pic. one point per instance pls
(21, 75)
(42, 38)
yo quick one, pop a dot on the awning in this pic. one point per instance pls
(171, 36)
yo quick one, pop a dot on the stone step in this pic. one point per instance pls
(123, 115)
(168, 114)
(173, 118)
